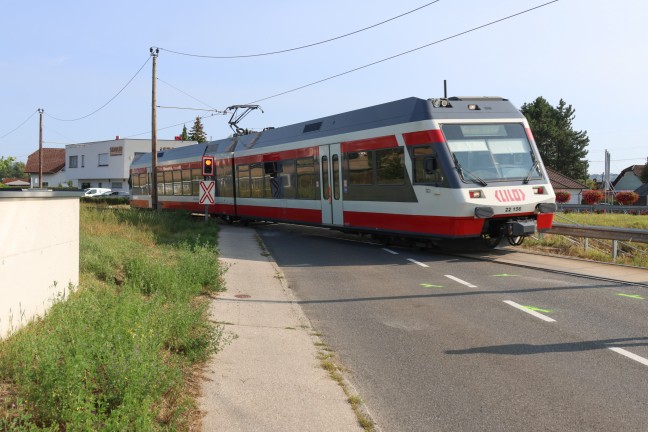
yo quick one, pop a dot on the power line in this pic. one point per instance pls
(19, 126)
(177, 124)
(110, 100)
(376, 62)
(185, 93)
(303, 46)
(404, 53)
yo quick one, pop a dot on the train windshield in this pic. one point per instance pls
(491, 152)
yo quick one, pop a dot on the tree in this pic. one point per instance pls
(9, 168)
(197, 133)
(561, 147)
(184, 136)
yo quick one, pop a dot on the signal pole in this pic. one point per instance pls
(154, 192)
(40, 149)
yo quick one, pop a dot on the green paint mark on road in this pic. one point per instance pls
(537, 309)
(424, 285)
(504, 275)
(634, 296)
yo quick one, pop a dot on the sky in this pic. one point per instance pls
(87, 64)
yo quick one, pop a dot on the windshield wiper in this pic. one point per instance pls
(534, 167)
(471, 177)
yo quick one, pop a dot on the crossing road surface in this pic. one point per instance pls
(439, 343)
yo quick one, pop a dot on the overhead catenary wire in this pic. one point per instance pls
(109, 101)
(379, 61)
(303, 46)
(20, 125)
(405, 52)
(177, 124)
(184, 93)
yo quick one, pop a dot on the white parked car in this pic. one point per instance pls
(95, 192)
(116, 194)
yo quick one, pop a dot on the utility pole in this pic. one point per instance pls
(154, 192)
(40, 149)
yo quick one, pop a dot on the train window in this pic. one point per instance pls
(143, 184)
(426, 169)
(360, 167)
(336, 177)
(256, 180)
(492, 151)
(160, 183)
(137, 189)
(186, 182)
(225, 186)
(243, 173)
(288, 179)
(177, 182)
(325, 178)
(268, 185)
(390, 166)
(306, 178)
(196, 177)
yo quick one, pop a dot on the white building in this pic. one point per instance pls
(107, 163)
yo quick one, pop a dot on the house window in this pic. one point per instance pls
(82, 161)
(116, 185)
(85, 185)
(74, 162)
(103, 159)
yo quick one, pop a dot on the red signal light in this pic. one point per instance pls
(208, 165)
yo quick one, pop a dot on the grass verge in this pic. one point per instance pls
(118, 353)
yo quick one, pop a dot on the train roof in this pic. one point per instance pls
(407, 110)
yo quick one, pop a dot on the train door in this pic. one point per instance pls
(331, 180)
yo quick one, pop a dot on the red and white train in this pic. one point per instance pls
(460, 167)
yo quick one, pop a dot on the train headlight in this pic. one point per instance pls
(484, 212)
(440, 103)
(476, 194)
(539, 190)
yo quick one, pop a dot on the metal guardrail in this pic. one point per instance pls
(600, 232)
(602, 208)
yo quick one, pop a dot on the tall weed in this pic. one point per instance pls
(108, 356)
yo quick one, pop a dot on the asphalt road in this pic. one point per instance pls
(434, 342)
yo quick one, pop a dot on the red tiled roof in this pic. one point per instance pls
(13, 179)
(53, 161)
(561, 181)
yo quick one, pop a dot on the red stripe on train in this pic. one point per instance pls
(369, 144)
(281, 213)
(274, 156)
(430, 225)
(423, 137)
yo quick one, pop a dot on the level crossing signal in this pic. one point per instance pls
(208, 165)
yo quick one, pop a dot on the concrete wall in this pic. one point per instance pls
(39, 253)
